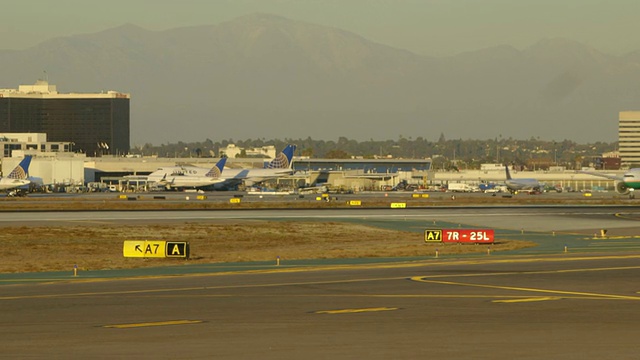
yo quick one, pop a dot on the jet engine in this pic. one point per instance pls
(621, 188)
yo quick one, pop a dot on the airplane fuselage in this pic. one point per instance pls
(515, 185)
(8, 184)
(522, 184)
(176, 180)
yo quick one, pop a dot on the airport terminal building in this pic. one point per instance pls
(347, 174)
(93, 123)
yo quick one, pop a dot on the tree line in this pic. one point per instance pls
(533, 153)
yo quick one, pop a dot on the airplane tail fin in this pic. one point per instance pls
(22, 170)
(506, 167)
(216, 170)
(283, 160)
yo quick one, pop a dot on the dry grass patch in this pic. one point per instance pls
(59, 248)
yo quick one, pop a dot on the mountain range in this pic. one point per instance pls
(265, 76)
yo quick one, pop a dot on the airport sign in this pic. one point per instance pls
(155, 249)
(396, 205)
(144, 248)
(179, 249)
(468, 236)
(433, 235)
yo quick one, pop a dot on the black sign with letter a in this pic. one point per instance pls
(177, 249)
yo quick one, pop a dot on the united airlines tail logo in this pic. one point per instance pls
(18, 173)
(280, 162)
(214, 172)
(283, 160)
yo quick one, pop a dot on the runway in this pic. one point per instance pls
(544, 305)
(553, 307)
(530, 218)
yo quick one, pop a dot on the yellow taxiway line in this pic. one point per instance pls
(353, 311)
(157, 323)
(515, 288)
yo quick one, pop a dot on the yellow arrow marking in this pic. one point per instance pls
(159, 323)
(351, 311)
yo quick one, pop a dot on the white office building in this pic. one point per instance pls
(10, 142)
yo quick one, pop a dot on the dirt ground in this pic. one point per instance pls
(97, 247)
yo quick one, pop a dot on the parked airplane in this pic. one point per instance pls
(515, 185)
(624, 184)
(17, 178)
(180, 177)
(281, 165)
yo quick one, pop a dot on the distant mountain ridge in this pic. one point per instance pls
(265, 76)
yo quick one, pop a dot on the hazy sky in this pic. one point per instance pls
(428, 27)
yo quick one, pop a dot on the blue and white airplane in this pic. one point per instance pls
(280, 166)
(515, 185)
(177, 177)
(18, 177)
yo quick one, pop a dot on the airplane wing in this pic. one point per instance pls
(607, 176)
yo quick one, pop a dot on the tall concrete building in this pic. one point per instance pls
(629, 138)
(94, 123)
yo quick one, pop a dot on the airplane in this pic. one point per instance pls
(624, 184)
(180, 177)
(18, 177)
(280, 166)
(515, 185)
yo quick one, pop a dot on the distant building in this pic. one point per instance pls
(491, 167)
(94, 123)
(629, 137)
(608, 161)
(232, 151)
(11, 142)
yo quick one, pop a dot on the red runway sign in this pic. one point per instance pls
(468, 236)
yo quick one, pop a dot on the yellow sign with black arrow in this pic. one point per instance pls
(155, 249)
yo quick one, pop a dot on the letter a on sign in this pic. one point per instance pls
(176, 250)
(433, 235)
